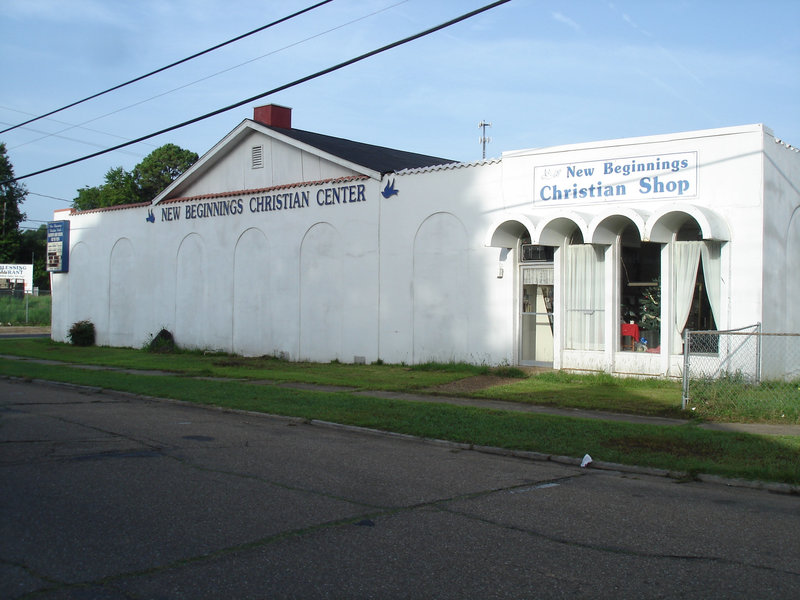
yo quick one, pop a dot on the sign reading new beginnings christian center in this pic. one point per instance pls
(341, 195)
(634, 178)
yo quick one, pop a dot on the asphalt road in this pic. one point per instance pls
(113, 497)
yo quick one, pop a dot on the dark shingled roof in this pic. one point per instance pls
(377, 158)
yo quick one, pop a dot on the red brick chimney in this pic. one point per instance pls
(273, 115)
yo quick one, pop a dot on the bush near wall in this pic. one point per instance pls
(82, 333)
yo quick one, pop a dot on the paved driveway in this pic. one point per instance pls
(113, 497)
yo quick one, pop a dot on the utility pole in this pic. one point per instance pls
(483, 139)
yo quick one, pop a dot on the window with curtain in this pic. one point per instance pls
(584, 296)
(696, 288)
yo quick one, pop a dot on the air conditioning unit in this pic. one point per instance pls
(534, 253)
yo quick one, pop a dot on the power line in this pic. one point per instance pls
(46, 135)
(46, 196)
(176, 63)
(207, 77)
(281, 88)
(69, 139)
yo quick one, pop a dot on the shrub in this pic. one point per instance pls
(163, 342)
(82, 333)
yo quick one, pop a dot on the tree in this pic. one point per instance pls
(33, 246)
(88, 198)
(119, 188)
(12, 194)
(160, 168)
(148, 179)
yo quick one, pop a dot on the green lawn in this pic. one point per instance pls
(253, 384)
(652, 397)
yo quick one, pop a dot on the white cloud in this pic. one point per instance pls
(562, 18)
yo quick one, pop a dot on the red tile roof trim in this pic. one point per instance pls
(285, 186)
(73, 211)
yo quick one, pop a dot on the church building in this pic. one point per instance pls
(593, 256)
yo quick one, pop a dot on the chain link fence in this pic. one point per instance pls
(18, 308)
(745, 367)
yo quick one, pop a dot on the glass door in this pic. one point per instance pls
(536, 316)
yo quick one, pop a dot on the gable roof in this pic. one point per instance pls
(377, 158)
(367, 159)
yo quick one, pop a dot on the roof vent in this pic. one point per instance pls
(273, 115)
(257, 155)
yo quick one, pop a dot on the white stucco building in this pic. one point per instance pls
(590, 256)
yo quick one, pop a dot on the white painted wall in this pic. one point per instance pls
(410, 278)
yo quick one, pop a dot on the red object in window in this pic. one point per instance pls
(631, 329)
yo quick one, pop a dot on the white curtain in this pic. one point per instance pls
(685, 259)
(712, 273)
(584, 294)
(538, 276)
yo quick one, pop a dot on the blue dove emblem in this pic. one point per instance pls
(151, 218)
(389, 190)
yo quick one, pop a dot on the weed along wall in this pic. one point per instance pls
(285, 242)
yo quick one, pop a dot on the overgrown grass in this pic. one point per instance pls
(468, 369)
(771, 401)
(13, 310)
(653, 397)
(681, 448)
(601, 392)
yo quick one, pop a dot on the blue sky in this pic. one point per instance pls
(543, 73)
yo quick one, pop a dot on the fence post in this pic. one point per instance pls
(758, 352)
(685, 391)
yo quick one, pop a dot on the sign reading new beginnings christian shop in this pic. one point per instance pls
(633, 178)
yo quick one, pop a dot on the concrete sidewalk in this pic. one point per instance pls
(751, 428)
(23, 330)
(755, 428)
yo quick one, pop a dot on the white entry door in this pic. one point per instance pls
(536, 316)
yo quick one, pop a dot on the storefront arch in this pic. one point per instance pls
(507, 231)
(664, 224)
(606, 227)
(558, 229)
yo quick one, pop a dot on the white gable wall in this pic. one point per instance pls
(284, 164)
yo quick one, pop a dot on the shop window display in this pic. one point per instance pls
(640, 293)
